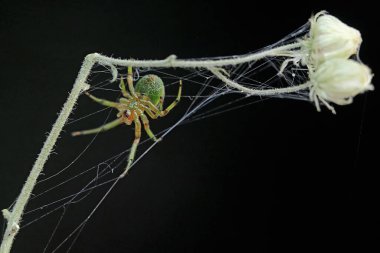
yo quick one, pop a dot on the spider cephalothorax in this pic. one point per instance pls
(147, 97)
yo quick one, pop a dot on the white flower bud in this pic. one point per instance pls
(339, 80)
(330, 38)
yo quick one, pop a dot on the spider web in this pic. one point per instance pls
(87, 169)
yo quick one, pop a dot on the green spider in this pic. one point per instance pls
(147, 97)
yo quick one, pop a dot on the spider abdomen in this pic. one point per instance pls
(151, 86)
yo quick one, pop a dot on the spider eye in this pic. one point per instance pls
(127, 113)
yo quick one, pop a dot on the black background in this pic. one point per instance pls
(282, 177)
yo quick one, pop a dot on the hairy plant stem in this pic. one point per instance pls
(14, 216)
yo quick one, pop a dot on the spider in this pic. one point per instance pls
(147, 97)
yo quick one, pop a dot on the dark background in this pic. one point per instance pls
(283, 177)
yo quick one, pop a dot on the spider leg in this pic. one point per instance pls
(136, 142)
(102, 101)
(130, 82)
(123, 89)
(161, 104)
(175, 102)
(145, 121)
(153, 115)
(151, 105)
(103, 128)
(153, 109)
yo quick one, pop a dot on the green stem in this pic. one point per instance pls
(14, 216)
